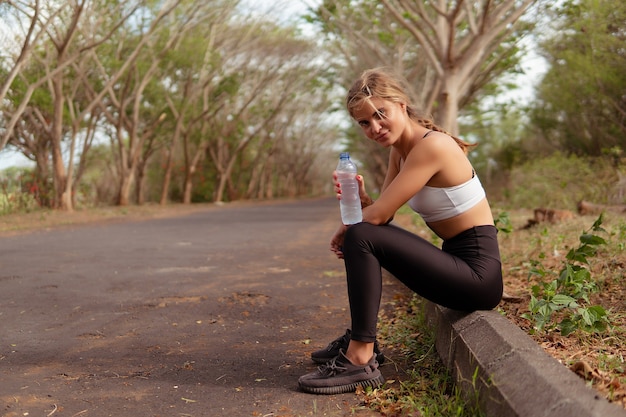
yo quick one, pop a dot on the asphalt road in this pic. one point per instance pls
(209, 314)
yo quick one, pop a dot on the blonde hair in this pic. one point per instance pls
(384, 84)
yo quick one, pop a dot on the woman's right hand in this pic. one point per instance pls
(337, 185)
(359, 179)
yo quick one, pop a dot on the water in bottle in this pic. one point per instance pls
(350, 202)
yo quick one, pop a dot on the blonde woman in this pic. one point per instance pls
(428, 169)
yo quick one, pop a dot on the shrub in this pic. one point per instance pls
(560, 182)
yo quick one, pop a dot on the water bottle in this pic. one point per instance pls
(350, 203)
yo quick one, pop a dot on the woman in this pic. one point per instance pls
(429, 170)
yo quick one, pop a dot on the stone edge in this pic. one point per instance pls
(495, 363)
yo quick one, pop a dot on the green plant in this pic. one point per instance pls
(568, 294)
(621, 235)
(429, 389)
(503, 222)
(561, 181)
(17, 202)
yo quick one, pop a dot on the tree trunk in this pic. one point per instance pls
(448, 108)
(125, 186)
(191, 170)
(139, 184)
(58, 166)
(167, 177)
(188, 186)
(219, 191)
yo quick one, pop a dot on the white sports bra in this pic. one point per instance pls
(436, 203)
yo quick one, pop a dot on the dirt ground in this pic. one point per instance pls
(18, 223)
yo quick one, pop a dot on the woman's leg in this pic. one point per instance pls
(444, 278)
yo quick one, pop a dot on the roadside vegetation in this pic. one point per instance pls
(427, 389)
(567, 291)
(594, 315)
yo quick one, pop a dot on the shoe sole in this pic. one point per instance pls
(342, 389)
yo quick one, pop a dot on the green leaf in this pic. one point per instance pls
(594, 318)
(598, 310)
(536, 291)
(589, 239)
(597, 224)
(580, 254)
(547, 309)
(564, 300)
(567, 327)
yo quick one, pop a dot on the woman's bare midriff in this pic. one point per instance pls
(479, 215)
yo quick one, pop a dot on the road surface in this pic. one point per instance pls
(212, 313)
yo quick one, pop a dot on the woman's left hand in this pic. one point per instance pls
(336, 243)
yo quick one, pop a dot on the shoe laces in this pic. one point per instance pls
(331, 368)
(337, 342)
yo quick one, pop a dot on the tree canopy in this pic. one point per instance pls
(581, 102)
(128, 102)
(206, 89)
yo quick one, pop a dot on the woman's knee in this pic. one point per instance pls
(360, 235)
(360, 231)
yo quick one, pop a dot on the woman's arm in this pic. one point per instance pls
(404, 179)
(366, 200)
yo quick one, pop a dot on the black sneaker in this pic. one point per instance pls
(339, 376)
(333, 348)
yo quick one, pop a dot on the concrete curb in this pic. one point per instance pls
(508, 373)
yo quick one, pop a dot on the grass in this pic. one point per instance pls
(428, 389)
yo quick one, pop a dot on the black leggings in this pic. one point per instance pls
(465, 274)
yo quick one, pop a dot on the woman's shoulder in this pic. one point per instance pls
(433, 145)
(436, 139)
(438, 144)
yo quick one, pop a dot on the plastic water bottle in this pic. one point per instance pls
(350, 203)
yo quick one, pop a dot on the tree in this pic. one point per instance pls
(25, 23)
(449, 51)
(466, 42)
(75, 30)
(130, 108)
(278, 67)
(196, 92)
(232, 102)
(198, 80)
(581, 106)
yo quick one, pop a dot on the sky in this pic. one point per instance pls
(10, 158)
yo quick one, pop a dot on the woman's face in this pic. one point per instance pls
(381, 120)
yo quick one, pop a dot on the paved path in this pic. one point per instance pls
(207, 314)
